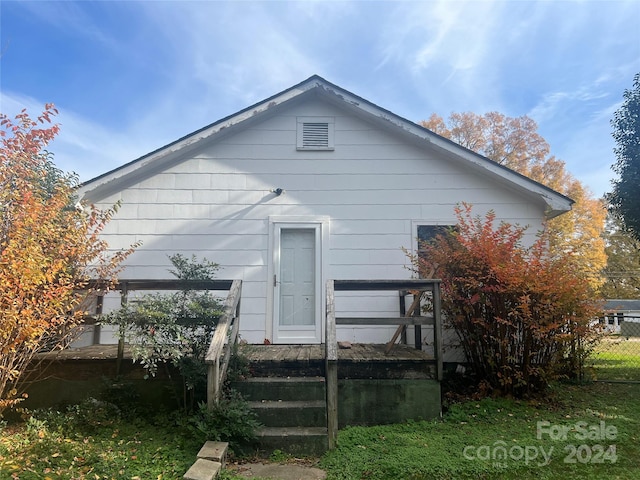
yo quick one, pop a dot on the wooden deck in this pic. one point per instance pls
(359, 352)
(91, 352)
(359, 361)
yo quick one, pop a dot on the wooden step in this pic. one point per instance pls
(361, 361)
(277, 413)
(294, 440)
(282, 388)
(293, 411)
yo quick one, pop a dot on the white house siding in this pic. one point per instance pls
(374, 187)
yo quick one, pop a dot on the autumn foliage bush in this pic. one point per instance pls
(49, 249)
(523, 315)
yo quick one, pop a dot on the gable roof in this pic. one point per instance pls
(315, 85)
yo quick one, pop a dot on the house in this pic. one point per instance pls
(313, 183)
(622, 316)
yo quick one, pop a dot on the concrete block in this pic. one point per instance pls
(214, 451)
(203, 470)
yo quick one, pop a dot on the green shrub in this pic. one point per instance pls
(174, 328)
(123, 395)
(87, 416)
(231, 420)
(238, 368)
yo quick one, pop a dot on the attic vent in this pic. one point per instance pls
(315, 133)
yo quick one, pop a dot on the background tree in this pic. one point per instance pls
(623, 261)
(49, 249)
(625, 198)
(516, 144)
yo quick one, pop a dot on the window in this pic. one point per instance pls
(315, 133)
(428, 233)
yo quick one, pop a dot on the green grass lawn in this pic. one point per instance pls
(616, 358)
(462, 445)
(106, 449)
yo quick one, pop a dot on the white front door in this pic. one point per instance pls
(297, 285)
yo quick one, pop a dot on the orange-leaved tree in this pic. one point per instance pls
(523, 315)
(49, 249)
(516, 144)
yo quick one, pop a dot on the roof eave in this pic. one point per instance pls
(556, 203)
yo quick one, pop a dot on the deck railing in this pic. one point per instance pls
(224, 336)
(222, 343)
(414, 318)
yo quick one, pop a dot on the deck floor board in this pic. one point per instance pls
(358, 352)
(288, 353)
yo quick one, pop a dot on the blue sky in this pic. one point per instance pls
(131, 76)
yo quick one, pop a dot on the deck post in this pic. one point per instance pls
(417, 329)
(437, 330)
(96, 326)
(331, 369)
(332, 404)
(213, 379)
(124, 293)
(403, 312)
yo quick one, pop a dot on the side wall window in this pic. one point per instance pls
(427, 233)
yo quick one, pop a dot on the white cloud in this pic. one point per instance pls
(217, 58)
(82, 146)
(238, 49)
(557, 103)
(448, 50)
